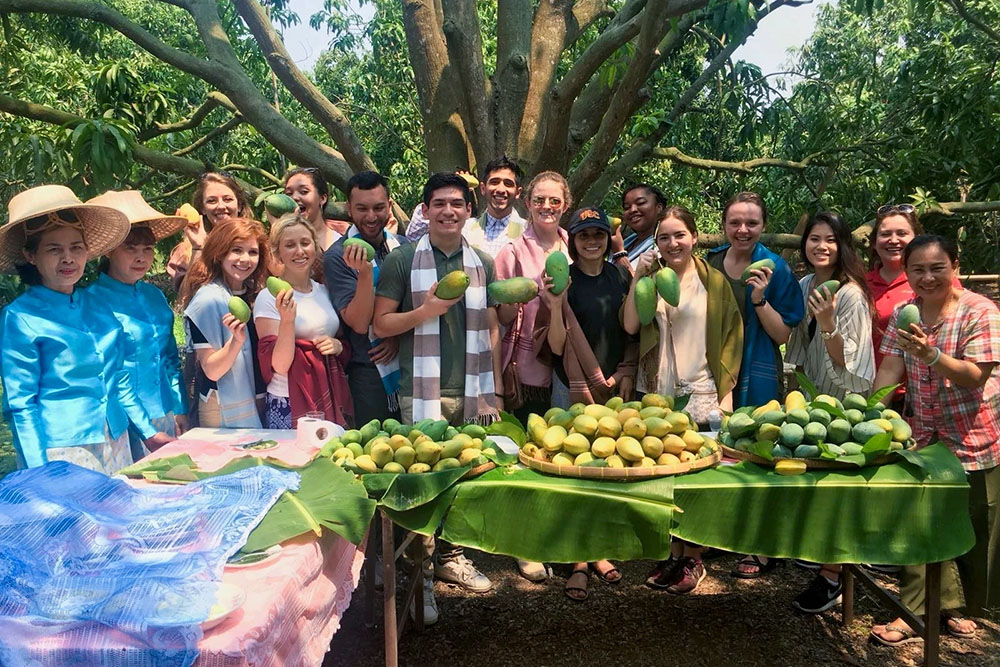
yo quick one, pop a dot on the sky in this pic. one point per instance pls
(788, 27)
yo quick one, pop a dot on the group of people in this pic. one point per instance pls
(93, 376)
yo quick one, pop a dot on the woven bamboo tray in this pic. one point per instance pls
(619, 474)
(811, 464)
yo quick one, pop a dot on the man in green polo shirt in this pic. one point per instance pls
(440, 376)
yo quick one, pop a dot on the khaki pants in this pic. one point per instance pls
(209, 413)
(976, 573)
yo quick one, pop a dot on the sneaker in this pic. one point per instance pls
(664, 566)
(533, 571)
(460, 570)
(820, 596)
(430, 604)
(682, 578)
(807, 564)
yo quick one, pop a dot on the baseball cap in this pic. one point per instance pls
(590, 216)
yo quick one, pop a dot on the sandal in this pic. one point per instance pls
(952, 625)
(581, 592)
(754, 561)
(612, 576)
(908, 635)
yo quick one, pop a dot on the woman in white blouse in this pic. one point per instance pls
(832, 345)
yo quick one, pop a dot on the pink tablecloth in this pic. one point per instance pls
(295, 599)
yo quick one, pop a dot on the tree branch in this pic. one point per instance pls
(305, 91)
(111, 17)
(212, 100)
(511, 77)
(464, 41)
(744, 167)
(585, 13)
(976, 22)
(219, 130)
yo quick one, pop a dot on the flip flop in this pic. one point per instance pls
(762, 568)
(909, 636)
(612, 576)
(582, 589)
(951, 624)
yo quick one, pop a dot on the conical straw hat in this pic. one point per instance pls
(131, 203)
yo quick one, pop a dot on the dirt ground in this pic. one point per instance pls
(726, 622)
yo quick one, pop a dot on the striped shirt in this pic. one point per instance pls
(636, 248)
(854, 322)
(966, 418)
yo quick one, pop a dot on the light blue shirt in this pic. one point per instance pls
(151, 357)
(62, 360)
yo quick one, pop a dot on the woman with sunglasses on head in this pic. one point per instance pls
(306, 186)
(228, 383)
(142, 310)
(548, 197)
(67, 394)
(694, 349)
(832, 345)
(297, 349)
(948, 359)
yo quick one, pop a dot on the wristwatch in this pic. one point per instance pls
(759, 304)
(618, 255)
(827, 335)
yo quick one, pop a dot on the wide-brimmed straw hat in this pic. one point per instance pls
(139, 212)
(35, 209)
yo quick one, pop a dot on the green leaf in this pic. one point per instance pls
(328, 496)
(745, 410)
(826, 407)
(681, 402)
(915, 457)
(879, 394)
(857, 459)
(136, 470)
(876, 446)
(807, 385)
(825, 451)
(763, 449)
(591, 519)
(514, 431)
(404, 492)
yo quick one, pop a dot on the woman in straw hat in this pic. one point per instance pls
(151, 351)
(66, 392)
(227, 381)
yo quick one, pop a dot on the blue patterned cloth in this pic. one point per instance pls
(89, 564)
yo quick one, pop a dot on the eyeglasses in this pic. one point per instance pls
(554, 202)
(889, 209)
(40, 223)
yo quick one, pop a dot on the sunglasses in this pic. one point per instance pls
(206, 174)
(303, 170)
(40, 223)
(554, 202)
(889, 209)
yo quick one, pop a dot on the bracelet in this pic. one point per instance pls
(937, 356)
(619, 255)
(759, 304)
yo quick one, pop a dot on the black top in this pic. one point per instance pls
(596, 302)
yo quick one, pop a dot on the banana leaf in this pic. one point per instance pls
(538, 517)
(137, 470)
(404, 492)
(328, 497)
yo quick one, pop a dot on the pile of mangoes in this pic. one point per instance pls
(636, 434)
(392, 447)
(826, 428)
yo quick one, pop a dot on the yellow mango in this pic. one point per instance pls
(687, 457)
(469, 455)
(767, 407)
(583, 457)
(597, 411)
(418, 467)
(366, 463)
(529, 449)
(575, 444)
(609, 427)
(553, 438)
(657, 427)
(795, 400)
(673, 444)
(428, 452)
(652, 447)
(678, 422)
(627, 413)
(405, 456)
(563, 459)
(536, 427)
(629, 448)
(644, 462)
(398, 441)
(790, 466)
(666, 459)
(585, 424)
(634, 428)
(603, 447)
(615, 461)
(658, 400)
(381, 454)
(692, 440)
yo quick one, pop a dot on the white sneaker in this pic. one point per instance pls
(430, 604)
(460, 570)
(533, 571)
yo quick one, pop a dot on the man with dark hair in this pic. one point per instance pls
(373, 371)
(500, 223)
(448, 347)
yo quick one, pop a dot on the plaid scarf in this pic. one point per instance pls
(480, 399)
(388, 372)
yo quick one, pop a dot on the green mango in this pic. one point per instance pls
(280, 204)
(908, 314)
(557, 268)
(668, 286)
(756, 266)
(239, 309)
(776, 417)
(854, 416)
(451, 449)
(820, 416)
(839, 431)
(436, 430)
(830, 285)
(350, 436)
(369, 250)
(901, 431)
(645, 299)
(369, 430)
(807, 452)
(452, 285)
(741, 425)
(779, 451)
(814, 433)
(389, 424)
(393, 467)
(475, 430)
(446, 464)
(799, 416)
(513, 290)
(791, 435)
(450, 433)
(852, 448)
(865, 430)
(275, 285)
(855, 402)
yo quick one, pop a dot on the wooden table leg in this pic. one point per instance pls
(389, 593)
(847, 579)
(417, 555)
(371, 561)
(932, 605)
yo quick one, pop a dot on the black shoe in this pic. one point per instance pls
(820, 596)
(665, 568)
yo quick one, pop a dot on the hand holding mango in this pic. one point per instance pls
(757, 277)
(237, 328)
(823, 304)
